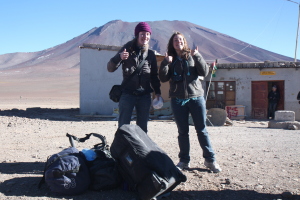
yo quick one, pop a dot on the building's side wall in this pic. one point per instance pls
(96, 82)
(244, 77)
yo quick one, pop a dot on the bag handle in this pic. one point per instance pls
(101, 145)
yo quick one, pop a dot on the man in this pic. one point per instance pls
(273, 97)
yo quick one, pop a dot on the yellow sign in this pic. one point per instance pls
(267, 73)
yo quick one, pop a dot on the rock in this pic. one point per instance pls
(292, 127)
(227, 181)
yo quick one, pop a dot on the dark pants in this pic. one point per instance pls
(197, 109)
(142, 106)
(272, 109)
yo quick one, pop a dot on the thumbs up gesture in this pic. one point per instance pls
(124, 55)
(194, 51)
(168, 58)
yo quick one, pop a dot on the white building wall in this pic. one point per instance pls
(244, 77)
(96, 82)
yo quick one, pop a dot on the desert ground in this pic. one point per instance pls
(259, 163)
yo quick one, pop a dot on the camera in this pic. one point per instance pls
(177, 78)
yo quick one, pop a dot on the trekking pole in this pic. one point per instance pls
(208, 87)
(206, 97)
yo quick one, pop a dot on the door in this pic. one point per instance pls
(280, 89)
(259, 99)
(260, 91)
(220, 94)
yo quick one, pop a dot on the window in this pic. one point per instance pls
(220, 94)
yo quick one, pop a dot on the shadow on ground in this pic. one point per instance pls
(20, 186)
(71, 114)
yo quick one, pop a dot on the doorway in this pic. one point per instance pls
(260, 91)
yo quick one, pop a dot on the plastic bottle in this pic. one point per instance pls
(90, 155)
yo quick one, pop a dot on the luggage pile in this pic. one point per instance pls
(133, 161)
(144, 166)
(72, 172)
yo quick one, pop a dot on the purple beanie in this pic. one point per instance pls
(142, 26)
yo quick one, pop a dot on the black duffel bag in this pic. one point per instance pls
(103, 169)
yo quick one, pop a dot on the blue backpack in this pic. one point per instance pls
(66, 173)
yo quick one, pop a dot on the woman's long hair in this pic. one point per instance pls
(171, 50)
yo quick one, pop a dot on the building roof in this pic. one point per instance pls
(260, 65)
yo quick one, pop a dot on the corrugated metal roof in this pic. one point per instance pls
(260, 65)
(100, 47)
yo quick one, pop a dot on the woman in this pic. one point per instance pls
(181, 67)
(137, 91)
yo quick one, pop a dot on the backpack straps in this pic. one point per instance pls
(137, 70)
(101, 145)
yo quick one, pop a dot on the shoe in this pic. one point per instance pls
(182, 165)
(213, 166)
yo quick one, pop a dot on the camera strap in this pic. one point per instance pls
(133, 73)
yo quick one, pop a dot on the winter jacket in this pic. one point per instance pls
(147, 77)
(273, 96)
(190, 86)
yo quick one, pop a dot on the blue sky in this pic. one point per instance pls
(32, 25)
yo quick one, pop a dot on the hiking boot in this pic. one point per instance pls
(213, 166)
(182, 165)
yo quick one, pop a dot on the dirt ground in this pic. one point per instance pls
(257, 162)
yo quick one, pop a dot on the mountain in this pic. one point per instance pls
(213, 45)
(54, 72)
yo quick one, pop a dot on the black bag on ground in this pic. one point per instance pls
(115, 93)
(144, 166)
(66, 173)
(103, 169)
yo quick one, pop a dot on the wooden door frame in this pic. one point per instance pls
(280, 86)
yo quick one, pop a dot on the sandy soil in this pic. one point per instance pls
(36, 113)
(257, 162)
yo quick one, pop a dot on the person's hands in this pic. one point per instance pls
(194, 51)
(124, 55)
(168, 58)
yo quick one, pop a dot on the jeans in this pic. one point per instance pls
(272, 109)
(142, 106)
(197, 109)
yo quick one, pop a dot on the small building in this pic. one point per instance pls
(95, 80)
(235, 85)
(248, 85)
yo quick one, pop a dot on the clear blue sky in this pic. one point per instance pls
(35, 25)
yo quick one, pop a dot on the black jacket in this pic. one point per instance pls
(273, 96)
(148, 75)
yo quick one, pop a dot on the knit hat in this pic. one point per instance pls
(274, 86)
(142, 26)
